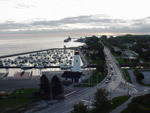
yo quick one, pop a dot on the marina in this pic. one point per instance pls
(34, 63)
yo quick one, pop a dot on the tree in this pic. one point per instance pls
(139, 104)
(100, 68)
(79, 108)
(138, 74)
(100, 100)
(57, 88)
(44, 87)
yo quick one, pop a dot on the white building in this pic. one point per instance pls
(76, 63)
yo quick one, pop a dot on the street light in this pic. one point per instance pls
(50, 85)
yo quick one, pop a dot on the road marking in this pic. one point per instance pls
(86, 101)
(135, 90)
(69, 93)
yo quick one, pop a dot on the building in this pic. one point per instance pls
(76, 63)
(76, 74)
(72, 76)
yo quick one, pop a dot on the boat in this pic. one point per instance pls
(26, 67)
(68, 39)
(65, 66)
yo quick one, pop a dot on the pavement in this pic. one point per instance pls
(117, 86)
(86, 94)
(123, 106)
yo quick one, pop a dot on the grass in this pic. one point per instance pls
(116, 55)
(126, 75)
(91, 61)
(116, 102)
(16, 100)
(94, 79)
(121, 61)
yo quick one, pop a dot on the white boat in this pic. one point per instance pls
(26, 67)
(65, 66)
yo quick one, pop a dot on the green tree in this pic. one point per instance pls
(100, 100)
(79, 108)
(100, 68)
(138, 74)
(44, 87)
(139, 104)
(57, 88)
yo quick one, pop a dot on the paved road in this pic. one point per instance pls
(65, 106)
(122, 107)
(115, 86)
(132, 89)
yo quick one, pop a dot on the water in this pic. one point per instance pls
(11, 45)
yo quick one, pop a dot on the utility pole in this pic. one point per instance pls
(110, 95)
(50, 86)
(90, 75)
(89, 103)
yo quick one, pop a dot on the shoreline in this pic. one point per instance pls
(24, 53)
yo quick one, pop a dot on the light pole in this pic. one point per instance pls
(89, 103)
(110, 96)
(50, 85)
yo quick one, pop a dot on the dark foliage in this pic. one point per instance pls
(57, 88)
(139, 105)
(100, 100)
(44, 87)
(138, 74)
(79, 108)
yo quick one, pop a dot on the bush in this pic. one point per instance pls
(138, 74)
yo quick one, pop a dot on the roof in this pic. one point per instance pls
(69, 74)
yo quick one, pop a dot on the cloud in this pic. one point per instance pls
(80, 24)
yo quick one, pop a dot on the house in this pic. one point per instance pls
(72, 76)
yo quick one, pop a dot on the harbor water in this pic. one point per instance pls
(15, 45)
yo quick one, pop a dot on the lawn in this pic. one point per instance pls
(16, 100)
(94, 79)
(116, 102)
(121, 61)
(91, 61)
(126, 75)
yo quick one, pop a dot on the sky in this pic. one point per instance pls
(74, 17)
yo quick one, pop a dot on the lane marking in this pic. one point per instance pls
(69, 93)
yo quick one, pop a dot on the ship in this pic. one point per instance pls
(68, 39)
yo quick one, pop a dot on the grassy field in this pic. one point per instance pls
(93, 80)
(16, 100)
(116, 102)
(91, 61)
(121, 61)
(126, 75)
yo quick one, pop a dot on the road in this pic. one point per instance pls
(86, 94)
(117, 86)
(65, 106)
(133, 89)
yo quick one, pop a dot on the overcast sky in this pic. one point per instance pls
(74, 16)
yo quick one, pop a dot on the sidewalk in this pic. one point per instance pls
(122, 106)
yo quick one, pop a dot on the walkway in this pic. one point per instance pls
(122, 106)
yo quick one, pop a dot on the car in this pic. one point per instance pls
(106, 81)
(109, 78)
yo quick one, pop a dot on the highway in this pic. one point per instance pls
(115, 86)
(86, 94)
(132, 89)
